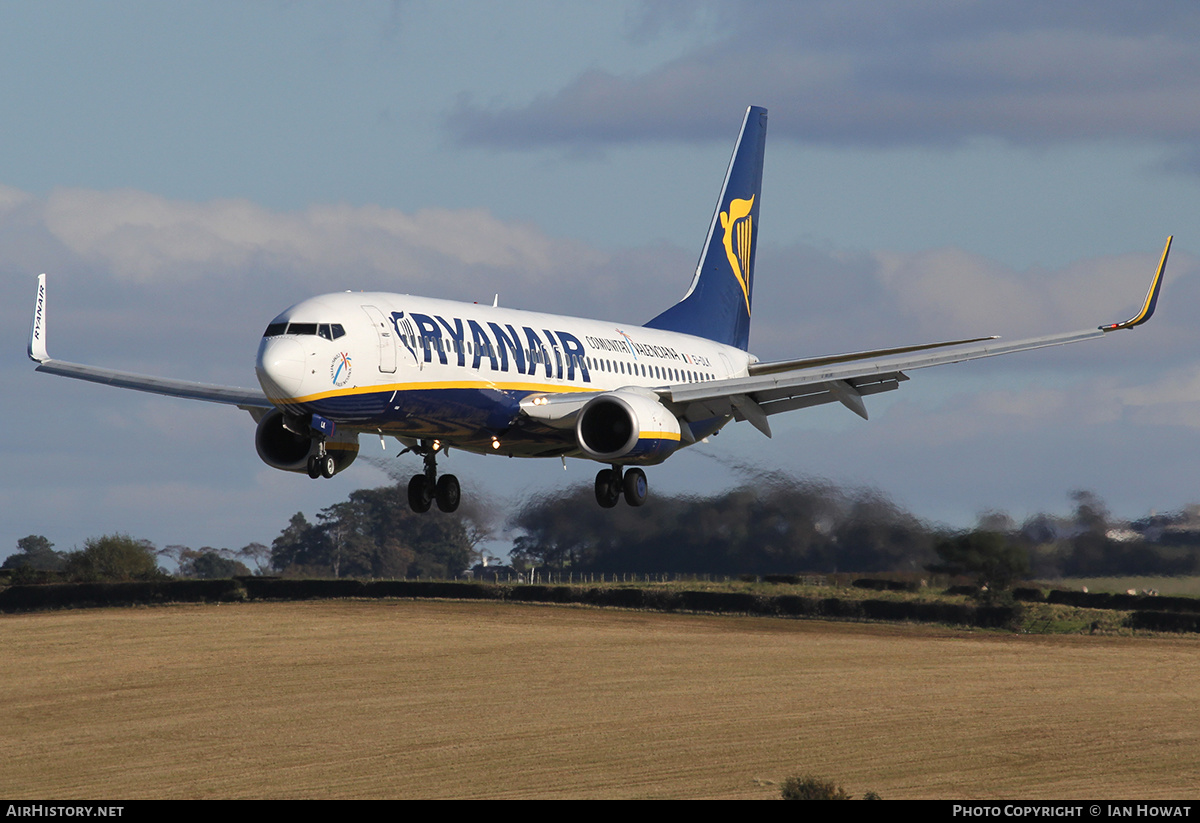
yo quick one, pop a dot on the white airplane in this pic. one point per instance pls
(437, 374)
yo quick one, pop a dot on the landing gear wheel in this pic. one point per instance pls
(448, 493)
(636, 487)
(608, 488)
(314, 470)
(418, 494)
(327, 465)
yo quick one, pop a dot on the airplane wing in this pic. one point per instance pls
(252, 400)
(771, 388)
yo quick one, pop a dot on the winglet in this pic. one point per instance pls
(37, 335)
(1151, 296)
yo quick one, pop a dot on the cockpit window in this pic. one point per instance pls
(330, 331)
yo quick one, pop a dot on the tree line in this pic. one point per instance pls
(372, 534)
(775, 524)
(779, 524)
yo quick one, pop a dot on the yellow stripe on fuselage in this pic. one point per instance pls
(548, 388)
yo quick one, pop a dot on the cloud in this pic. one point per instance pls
(870, 74)
(11, 199)
(1169, 398)
(143, 237)
(810, 301)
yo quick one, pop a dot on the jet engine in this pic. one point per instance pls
(626, 427)
(281, 448)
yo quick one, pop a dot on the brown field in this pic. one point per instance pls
(403, 699)
(1171, 586)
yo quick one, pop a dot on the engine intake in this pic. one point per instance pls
(626, 427)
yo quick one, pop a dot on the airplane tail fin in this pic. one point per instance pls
(717, 305)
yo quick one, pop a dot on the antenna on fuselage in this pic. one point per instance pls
(496, 301)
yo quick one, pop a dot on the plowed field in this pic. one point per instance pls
(403, 699)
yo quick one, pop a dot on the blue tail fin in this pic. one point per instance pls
(717, 306)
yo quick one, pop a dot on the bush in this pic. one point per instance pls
(113, 557)
(812, 788)
(1164, 621)
(720, 602)
(126, 593)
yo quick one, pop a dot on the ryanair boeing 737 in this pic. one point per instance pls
(437, 374)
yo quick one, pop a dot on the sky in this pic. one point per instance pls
(939, 169)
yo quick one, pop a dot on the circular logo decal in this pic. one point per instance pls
(339, 369)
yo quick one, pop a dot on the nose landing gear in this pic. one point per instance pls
(319, 430)
(321, 464)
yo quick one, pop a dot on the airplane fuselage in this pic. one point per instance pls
(423, 368)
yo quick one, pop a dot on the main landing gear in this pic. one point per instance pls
(425, 488)
(611, 483)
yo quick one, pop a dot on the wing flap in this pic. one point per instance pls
(776, 400)
(774, 366)
(859, 374)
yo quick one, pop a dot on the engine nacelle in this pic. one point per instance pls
(281, 448)
(626, 427)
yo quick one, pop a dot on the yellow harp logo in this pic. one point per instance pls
(738, 225)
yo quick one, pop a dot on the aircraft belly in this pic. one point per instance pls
(422, 412)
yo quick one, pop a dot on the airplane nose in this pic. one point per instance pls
(280, 367)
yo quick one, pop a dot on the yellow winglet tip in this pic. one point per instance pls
(1151, 296)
